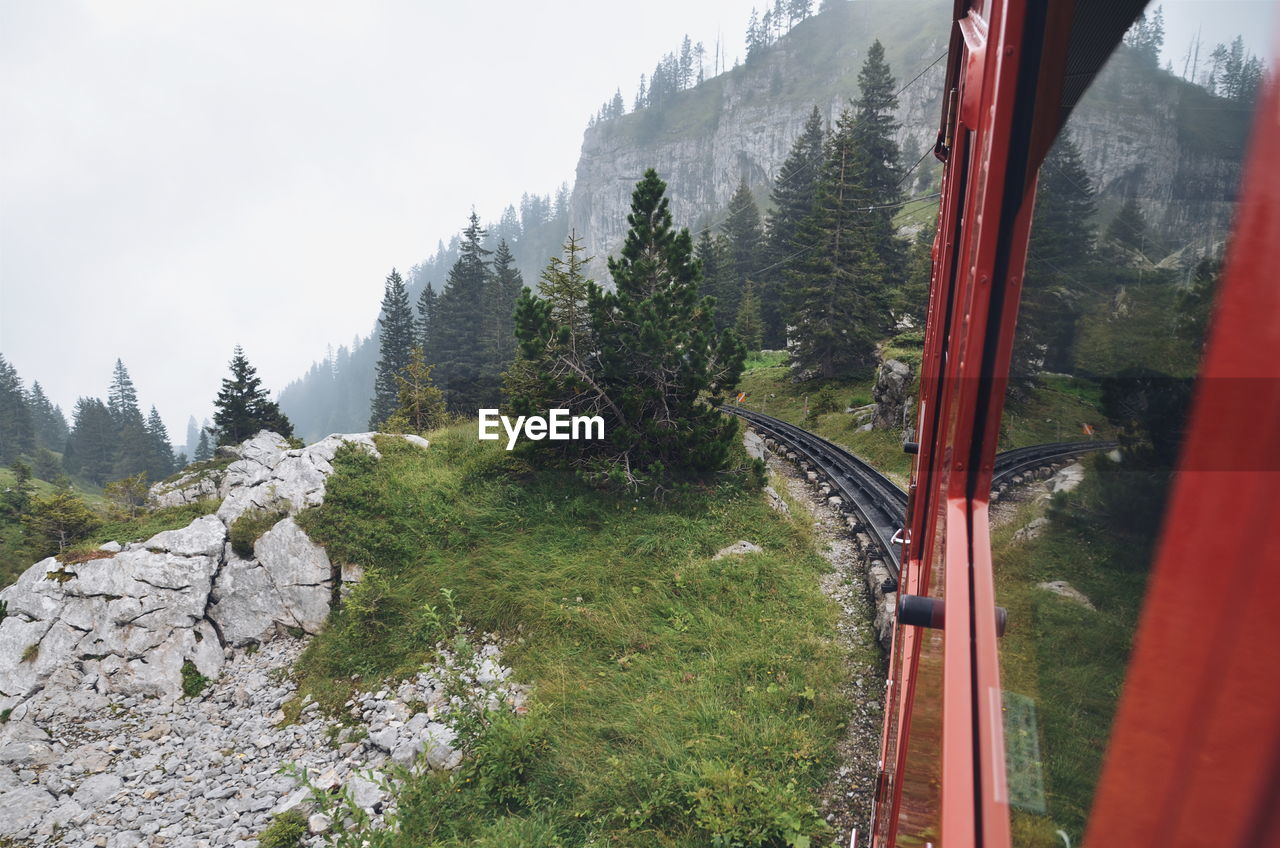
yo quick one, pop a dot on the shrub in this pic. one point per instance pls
(740, 809)
(287, 830)
(248, 528)
(193, 682)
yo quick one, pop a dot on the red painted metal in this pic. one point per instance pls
(1194, 757)
(943, 777)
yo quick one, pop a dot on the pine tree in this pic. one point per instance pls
(459, 347)
(17, 430)
(659, 351)
(793, 196)
(243, 407)
(554, 333)
(48, 420)
(193, 436)
(395, 346)
(91, 447)
(420, 405)
(742, 227)
(912, 299)
(161, 461)
(203, 451)
(57, 521)
(747, 324)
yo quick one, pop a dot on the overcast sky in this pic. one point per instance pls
(177, 178)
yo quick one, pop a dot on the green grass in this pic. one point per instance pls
(193, 682)
(1070, 661)
(677, 700)
(1055, 411)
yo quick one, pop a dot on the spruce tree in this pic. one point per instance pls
(836, 286)
(91, 447)
(505, 285)
(715, 255)
(161, 461)
(17, 430)
(419, 404)
(742, 228)
(243, 407)
(1060, 247)
(459, 344)
(203, 451)
(793, 196)
(1128, 229)
(395, 346)
(122, 398)
(426, 315)
(748, 325)
(879, 170)
(50, 425)
(659, 351)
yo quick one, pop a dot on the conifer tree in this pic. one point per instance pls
(203, 451)
(50, 425)
(193, 436)
(505, 285)
(556, 341)
(793, 196)
(91, 447)
(715, 255)
(836, 286)
(1128, 228)
(161, 461)
(659, 350)
(426, 315)
(747, 324)
(122, 398)
(1060, 246)
(459, 346)
(880, 172)
(243, 407)
(395, 346)
(17, 430)
(742, 228)
(420, 405)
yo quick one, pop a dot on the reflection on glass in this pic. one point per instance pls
(1134, 206)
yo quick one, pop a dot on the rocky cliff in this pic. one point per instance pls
(142, 692)
(1142, 131)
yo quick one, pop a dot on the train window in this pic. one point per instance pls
(1135, 204)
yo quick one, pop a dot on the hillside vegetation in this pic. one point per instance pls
(676, 700)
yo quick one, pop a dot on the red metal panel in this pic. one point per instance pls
(1194, 757)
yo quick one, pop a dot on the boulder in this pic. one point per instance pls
(892, 393)
(24, 807)
(1063, 589)
(1067, 479)
(739, 548)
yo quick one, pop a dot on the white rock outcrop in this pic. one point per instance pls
(131, 622)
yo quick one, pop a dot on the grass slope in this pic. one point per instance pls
(677, 700)
(1069, 660)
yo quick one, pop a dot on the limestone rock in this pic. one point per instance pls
(738, 548)
(1067, 479)
(892, 395)
(1033, 529)
(24, 807)
(1063, 589)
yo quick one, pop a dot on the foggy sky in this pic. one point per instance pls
(179, 178)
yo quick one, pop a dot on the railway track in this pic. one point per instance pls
(874, 498)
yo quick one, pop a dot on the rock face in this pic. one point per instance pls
(895, 402)
(741, 124)
(78, 768)
(129, 623)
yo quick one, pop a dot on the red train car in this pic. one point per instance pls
(1193, 756)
